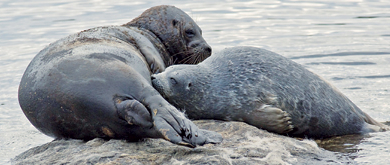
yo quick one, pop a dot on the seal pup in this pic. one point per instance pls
(263, 89)
(96, 83)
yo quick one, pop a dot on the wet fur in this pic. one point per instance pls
(238, 83)
(96, 83)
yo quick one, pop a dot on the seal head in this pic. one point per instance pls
(181, 36)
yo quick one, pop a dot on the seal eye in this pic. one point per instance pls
(174, 22)
(188, 86)
(173, 81)
(190, 33)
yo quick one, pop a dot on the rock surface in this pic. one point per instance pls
(243, 144)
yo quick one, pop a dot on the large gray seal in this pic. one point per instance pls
(263, 89)
(96, 83)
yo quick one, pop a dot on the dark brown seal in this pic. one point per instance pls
(263, 89)
(96, 83)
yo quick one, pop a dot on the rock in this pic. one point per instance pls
(243, 144)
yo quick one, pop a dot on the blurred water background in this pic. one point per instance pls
(346, 42)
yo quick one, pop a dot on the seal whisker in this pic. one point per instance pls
(187, 59)
(200, 58)
(179, 53)
(192, 59)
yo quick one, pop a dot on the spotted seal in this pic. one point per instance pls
(96, 83)
(263, 89)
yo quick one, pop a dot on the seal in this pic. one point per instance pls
(96, 83)
(265, 90)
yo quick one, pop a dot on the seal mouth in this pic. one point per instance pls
(199, 51)
(193, 55)
(195, 52)
(199, 54)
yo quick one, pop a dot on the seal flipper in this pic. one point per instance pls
(172, 125)
(133, 112)
(176, 128)
(372, 125)
(271, 119)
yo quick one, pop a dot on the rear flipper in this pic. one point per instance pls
(372, 125)
(271, 119)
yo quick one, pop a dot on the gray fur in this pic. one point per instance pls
(96, 83)
(258, 87)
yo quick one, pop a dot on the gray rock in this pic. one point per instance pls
(243, 144)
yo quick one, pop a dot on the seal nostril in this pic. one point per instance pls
(208, 49)
(152, 77)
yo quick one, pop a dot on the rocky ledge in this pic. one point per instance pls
(243, 144)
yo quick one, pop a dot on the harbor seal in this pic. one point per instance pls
(96, 83)
(263, 89)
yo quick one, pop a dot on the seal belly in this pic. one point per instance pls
(59, 82)
(71, 96)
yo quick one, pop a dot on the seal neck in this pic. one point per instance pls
(156, 42)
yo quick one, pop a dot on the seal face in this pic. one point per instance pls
(263, 89)
(181, 36)
(96, 83)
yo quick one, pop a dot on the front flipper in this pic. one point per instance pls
(271, 119)
(163, 121)
(176, 128)
(173, 125)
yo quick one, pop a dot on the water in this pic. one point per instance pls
(346, 42)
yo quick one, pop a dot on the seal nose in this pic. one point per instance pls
(152, 77)
(208, 49)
